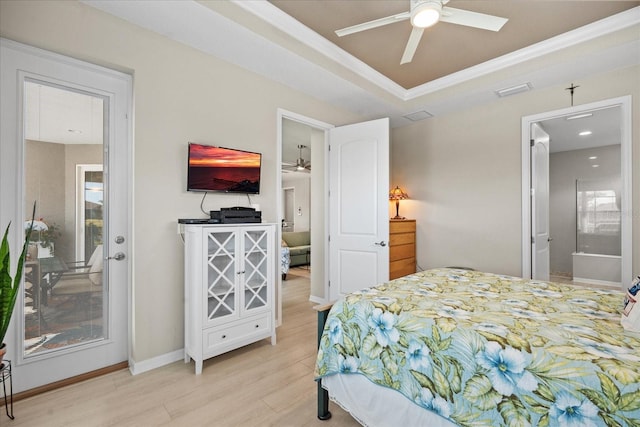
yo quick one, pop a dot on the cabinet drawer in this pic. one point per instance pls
(236, 331)
(406, 226)
(402, 268)
(401, 239)
(402, 252)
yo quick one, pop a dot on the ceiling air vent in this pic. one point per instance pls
(508, 91)
(418, 115)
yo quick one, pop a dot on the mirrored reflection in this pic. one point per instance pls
(63, 290)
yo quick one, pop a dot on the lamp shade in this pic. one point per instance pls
(398, 194)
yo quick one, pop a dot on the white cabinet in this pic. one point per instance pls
(229, 288)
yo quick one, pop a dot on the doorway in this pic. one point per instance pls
(598, 222)
(302, 152)
(70, 153)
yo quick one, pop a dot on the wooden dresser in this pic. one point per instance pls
(402, 247)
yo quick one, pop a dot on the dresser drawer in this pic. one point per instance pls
(213, 338)
(402, 252)
(402, 268)
(404, 226)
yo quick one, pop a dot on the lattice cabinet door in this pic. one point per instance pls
(256, 269)
(221, 299)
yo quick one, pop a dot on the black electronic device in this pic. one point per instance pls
(238, 208)
(232, 216)
(199, 220)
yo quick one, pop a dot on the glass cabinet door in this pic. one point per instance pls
(256, 265)
(221, 297)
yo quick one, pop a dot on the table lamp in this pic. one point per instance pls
(398, 194)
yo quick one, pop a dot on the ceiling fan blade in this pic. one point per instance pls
(412, 45)
(373, 24)
(472, 19)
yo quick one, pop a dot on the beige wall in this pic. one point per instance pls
(463, 173)
(181, 95)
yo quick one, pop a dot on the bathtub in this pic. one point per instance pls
(597, 269)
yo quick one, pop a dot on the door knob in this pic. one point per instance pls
(119, 256)
(381, 243)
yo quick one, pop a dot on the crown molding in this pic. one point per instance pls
(271, 14)
(266, 11)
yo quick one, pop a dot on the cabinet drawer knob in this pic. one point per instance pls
(257, 326)
(224, 336)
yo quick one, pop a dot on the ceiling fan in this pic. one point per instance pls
(301, 165)
(425, 13)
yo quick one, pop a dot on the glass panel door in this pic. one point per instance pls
(255, 269)
(221, 275)
(64, 293)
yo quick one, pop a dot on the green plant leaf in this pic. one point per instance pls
(479, 391)
(9, 287)
(620, 372)
(424, 381)
(610, 390)
(514, 413)
(630, 401)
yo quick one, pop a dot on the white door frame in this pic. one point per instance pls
(324, 127)
(624, 103)
(84, 77)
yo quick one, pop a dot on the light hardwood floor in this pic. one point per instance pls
(258, 385)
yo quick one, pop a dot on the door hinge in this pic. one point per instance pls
(329, 283)
(329, 238)
(533, 240)
(532, 142)
(532, 192)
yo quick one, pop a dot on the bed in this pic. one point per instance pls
(449, 347)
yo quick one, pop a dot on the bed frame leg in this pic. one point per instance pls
(323, 403)
(323, 395)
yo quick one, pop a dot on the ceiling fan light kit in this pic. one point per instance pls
(425, 13)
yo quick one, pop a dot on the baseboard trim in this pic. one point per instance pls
(317, 300)
(69, 381)
(598, 282)
(155, 362)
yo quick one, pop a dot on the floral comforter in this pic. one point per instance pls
(488, 350)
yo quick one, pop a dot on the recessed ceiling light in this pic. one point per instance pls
(74, 131)
(595, 166)
(579, 116)
(585, 133)
(593, 157)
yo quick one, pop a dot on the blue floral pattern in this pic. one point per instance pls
(483, 349)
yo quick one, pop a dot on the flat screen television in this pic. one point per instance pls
(223, 169)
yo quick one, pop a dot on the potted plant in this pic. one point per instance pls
(9, 286)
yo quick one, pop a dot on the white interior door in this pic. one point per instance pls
(359, 206)
(83, 317)
(540, 203)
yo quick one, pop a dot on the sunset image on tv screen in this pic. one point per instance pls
(223, 169)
